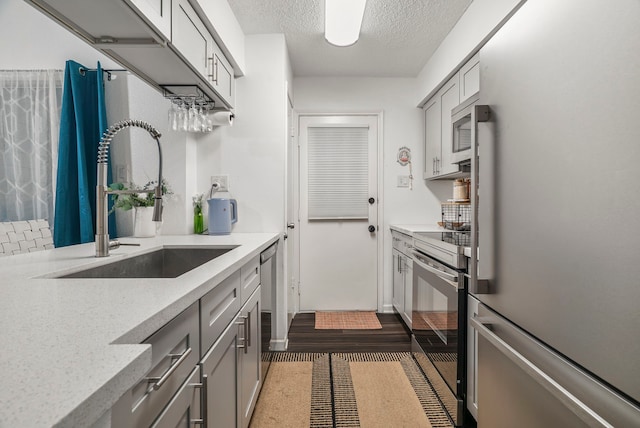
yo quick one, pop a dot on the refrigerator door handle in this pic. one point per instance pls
(581, 410)
(481, 272)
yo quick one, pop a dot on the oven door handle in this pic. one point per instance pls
(417, 258)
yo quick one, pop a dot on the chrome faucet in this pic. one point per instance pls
(103, 244)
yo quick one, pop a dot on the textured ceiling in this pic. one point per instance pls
(396, 40)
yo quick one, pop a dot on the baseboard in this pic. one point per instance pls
(278, 345)
(387, 309)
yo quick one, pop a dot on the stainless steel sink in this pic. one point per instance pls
(164, 263)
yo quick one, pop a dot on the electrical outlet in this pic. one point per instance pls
(222, 180)
(121, 174)
(403, 181)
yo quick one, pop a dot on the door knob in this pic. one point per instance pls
(372, 201)
(372, 228)
(291, 225)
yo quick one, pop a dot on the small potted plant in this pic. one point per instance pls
(142, 203)
(198, 219)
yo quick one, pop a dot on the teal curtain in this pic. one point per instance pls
(82, 123)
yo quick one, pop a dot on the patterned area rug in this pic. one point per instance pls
(347, 321)
(347, 390)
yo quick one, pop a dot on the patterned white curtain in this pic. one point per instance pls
(30, 104)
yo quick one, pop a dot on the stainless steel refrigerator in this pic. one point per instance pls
(558, 221)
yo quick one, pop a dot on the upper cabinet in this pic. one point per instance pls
(169, 44)
(190, 37)
(438, 127)
(470, 78)
(157, 13)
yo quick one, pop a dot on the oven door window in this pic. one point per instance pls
(436, 310)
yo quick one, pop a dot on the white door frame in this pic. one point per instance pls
(295, 202)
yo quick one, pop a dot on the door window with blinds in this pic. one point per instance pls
(338, 172)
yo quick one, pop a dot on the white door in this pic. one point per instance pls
(292, 227)
(338, 205)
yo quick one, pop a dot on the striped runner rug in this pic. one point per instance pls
(347, 390)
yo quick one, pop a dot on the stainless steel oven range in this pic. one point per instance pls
(439, 315)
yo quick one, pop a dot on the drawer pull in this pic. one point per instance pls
(159, 381)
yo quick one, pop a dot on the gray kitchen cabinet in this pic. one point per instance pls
(402, 275)
(190, 36)
(221, 76)
(194, 41)
(398, 281)
(250, 357)
(432, 138)
(218, 308)
(250, 278)
(438, 131)
(224, 327)
(449, 99)
(183, 411)
(221, 367)
(165, 43)
(156, 13)
(470, 78)
(438, 136)
(175, 350)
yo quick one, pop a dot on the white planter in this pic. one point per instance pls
(144, 226)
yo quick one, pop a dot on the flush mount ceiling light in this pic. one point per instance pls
(342, 21)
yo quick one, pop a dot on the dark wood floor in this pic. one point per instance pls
(394, 336)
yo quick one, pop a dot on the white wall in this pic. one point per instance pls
(178, 159)
(31, 40)
(402, 126)
(252, 151)
(478, 23)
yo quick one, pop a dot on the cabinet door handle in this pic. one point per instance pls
(159, 381)
(214, 69)
(211, 75)
(248, 330)
(246, 339)
(433, 166)
(203, 400)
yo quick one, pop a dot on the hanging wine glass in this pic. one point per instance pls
(193, 117)
(183, 120)
(173, 116)
(202, 119)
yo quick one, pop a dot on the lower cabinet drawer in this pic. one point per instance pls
(184, 410)
(175, 351)
(217, 308)
(250, 277)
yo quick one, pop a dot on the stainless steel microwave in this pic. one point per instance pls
(462, 121)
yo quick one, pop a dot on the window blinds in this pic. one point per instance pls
(338, 173)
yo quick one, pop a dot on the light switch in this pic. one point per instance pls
(403, 181)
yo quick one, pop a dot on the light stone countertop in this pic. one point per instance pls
(70, 347)
(410, 229)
